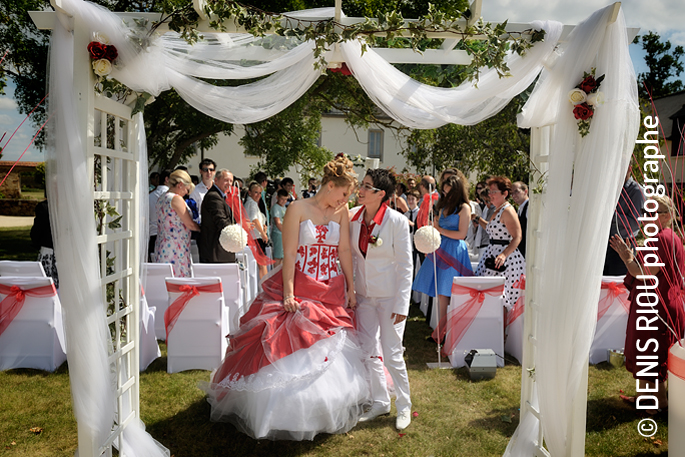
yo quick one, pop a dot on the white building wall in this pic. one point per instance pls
(336, 135)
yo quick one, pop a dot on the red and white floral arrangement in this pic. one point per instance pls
(586, 97)
(103, 54)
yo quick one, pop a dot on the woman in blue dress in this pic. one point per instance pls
(452, 257)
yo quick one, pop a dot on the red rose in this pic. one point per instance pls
(97, 50)
(588, 84)
(583, 111)
(110, 52)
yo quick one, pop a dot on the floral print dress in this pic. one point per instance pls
(173, 238)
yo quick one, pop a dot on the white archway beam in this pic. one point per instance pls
(44, 20)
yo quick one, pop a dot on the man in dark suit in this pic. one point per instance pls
(519, 192)
(216, 214)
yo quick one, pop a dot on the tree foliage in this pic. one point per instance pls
(664, 65)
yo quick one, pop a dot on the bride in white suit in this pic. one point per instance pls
(382, 257)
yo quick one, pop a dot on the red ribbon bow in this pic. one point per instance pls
(187, 293)
(460, 318)
(14, 301)
(615, 290)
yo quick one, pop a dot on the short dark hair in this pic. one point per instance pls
(207, 162)
(383, 180)
(282, 193)
(260, 177)
(286, 181)
(413, 193)
(163, 175)
(403, 187)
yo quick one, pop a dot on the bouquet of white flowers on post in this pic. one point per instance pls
(233, 238)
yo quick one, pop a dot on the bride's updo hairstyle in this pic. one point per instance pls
(341, 171)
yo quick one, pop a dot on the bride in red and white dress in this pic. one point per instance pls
(294, 369)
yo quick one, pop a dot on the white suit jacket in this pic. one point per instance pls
(387, 269)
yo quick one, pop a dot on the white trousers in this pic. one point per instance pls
(374, 325)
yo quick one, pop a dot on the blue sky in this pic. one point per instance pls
(666, 17)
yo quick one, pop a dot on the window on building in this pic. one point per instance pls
(375, 144)
(677, 132)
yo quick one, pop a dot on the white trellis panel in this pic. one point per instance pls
(539, 156)
(113, 162)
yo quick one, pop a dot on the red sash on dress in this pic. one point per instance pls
(460, 319)
(14, 301)
(187, 292)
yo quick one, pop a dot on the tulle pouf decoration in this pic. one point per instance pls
(233, 238)
(427, 239)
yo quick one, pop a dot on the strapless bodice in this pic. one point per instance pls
(317, 250)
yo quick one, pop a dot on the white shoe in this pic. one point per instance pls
(373, 413)
(403, 419)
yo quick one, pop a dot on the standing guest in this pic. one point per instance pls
(452, 257)
(311, 189)
(216, 214)
(487, 209)
(277, 226)
(504, 230)
(292, 370)
(669, 305)
(475, 233)
(413, 209)
(263, 181)
(153, 180)
(381, 250)
(411, 183)
(288, 184)
(41, 238)
(160, 190)
(207, 170)
(258, 220)
(519, 193)
(401, 190)
(174, 224)
(195, 179)
(624, 223)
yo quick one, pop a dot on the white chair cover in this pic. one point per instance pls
(245, 283)
(233, 292)
(154, 275)
(148, 349)
(21, 268)
(35, 338)
(514, 342)
(253, 272)
(198, 339)
(487, 329)
(425, 300)
(611, 327)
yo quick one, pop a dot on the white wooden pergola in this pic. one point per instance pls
(123, 192)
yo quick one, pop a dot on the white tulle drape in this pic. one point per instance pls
(583, 186)
(420, 106)
(575, 216)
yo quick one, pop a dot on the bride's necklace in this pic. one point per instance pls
(324, 213)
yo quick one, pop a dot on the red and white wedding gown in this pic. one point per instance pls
(294, 375)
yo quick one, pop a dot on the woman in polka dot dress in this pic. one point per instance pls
(504, 230)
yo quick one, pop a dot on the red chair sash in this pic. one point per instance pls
(459, 319)
(519, 306)
(187, 293)
(676, 365)
(14, 301)
(614, 290)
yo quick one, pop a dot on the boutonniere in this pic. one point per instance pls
(375, 241)
(585, 98)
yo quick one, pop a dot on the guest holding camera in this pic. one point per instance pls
(501, 258)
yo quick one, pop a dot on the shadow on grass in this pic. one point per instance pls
(190, 433)
(495, 420)
(607, 413)
(33, 372)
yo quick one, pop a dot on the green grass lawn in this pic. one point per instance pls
(456, 417)
(15, 244)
